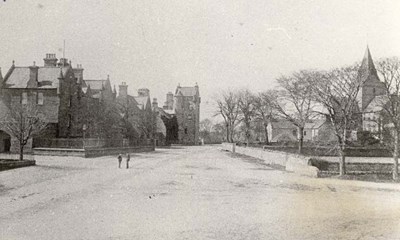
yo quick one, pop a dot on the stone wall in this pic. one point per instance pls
(291, 162)
(353, 167)
(96, 152)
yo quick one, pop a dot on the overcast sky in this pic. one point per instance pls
(217, 43)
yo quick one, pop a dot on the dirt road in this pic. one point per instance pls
(189, 193)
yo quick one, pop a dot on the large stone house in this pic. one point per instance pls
(137, 112)
(181, 116)
(73, 106)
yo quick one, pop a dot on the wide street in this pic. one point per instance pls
(189, 193)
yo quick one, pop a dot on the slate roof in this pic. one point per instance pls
(95, 84)
(367, 67)
(142, 101)
(47, 77)
(288, 125)
(186, 91)
(376, 104)
(282, 125)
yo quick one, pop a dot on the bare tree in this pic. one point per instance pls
(263, 109)
(337, 92)
(246, 107)
(23, 122)
(228, 108)
(389, 70)
(294, 102)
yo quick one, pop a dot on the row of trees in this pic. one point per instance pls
(306, 94)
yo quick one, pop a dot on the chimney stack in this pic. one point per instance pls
(33, 75)
(78, 72)
(63, 62)
(170, 101)
(155, 104)
(144, 92)
(50, 60)
(123, 90)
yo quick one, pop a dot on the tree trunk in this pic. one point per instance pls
(301, 139)
(342, 153)
(342, 165)
(247, 133)
(227, 133)
(21, 151)
(396, 156)
(266, 134)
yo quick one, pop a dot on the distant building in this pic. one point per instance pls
(315, 130)
(137, 112)
(181, 115)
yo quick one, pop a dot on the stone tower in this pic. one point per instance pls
(372, 85)
(187, 110)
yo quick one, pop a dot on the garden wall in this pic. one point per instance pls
(329, 151)
(92, 152)
(291, 162)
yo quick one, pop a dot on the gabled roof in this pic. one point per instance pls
(186, 91)
(47, 77)
(376, 104)
(315, 124)
(95, 84)
(142, 101)
(283, 124)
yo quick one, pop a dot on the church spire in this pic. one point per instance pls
(367, 65)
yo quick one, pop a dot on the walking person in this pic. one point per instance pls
(128, 158)
(119, 160)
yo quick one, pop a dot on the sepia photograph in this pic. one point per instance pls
(199, 119)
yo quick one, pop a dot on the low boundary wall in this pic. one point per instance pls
(91, 152)
(291, 162)
(95, 152)
(353, 167)
(10, 164)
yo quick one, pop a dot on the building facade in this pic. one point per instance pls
(181, 115)
(74, 107)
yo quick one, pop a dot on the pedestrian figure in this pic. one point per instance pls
(128, 158)
(119, 160)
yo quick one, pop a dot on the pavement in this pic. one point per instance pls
(189, 193)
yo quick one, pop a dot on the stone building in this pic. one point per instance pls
(52, 88)
(137, 113)
(181, 115)
(74, 107)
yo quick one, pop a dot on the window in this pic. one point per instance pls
(294, 132)
(40, 98)
(24, 98)
(185, 130)
(69, 120)
(305, 133)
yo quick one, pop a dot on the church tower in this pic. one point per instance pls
(372, 85)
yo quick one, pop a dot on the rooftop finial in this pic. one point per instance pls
(34, 63)
(13, 62)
